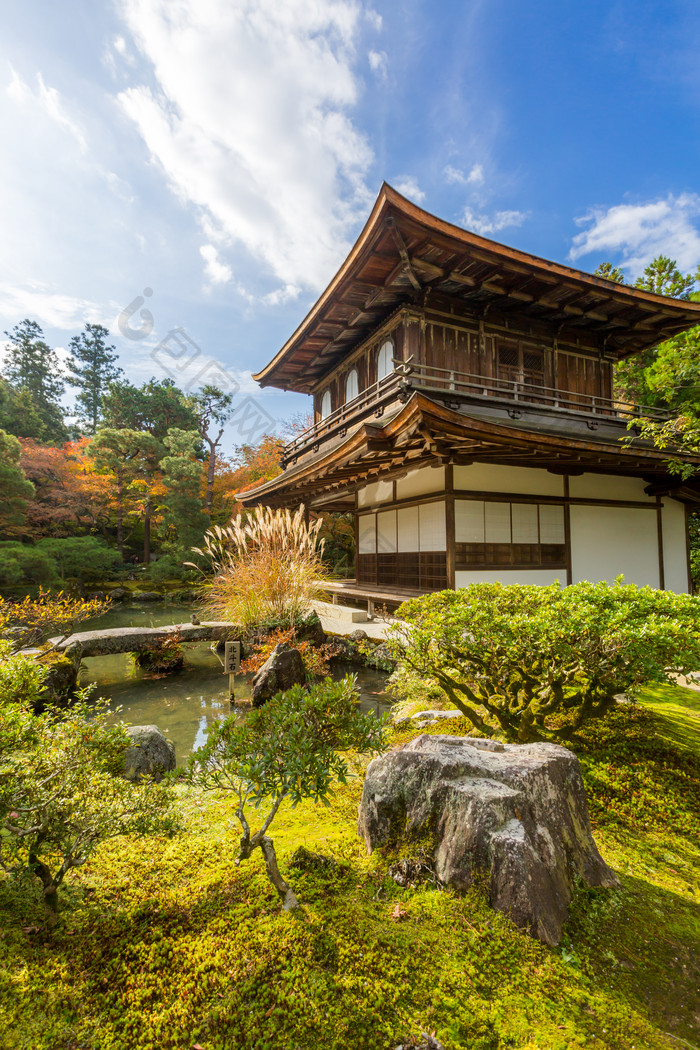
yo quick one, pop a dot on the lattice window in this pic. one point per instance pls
(493, 534)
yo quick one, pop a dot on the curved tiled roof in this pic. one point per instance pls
(404, 252)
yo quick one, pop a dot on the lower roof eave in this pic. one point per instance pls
(425, 431)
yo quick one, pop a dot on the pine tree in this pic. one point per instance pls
(182, 504)
(92, 368)
(32, 366)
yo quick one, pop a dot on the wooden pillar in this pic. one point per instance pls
(357, 540)
(687, 548)
(660, 540)
(567, 531)
(450, 525)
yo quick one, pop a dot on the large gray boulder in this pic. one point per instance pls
(514, 814)
(282, 669)
(150, 754)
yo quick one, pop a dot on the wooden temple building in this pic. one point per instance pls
(464, 413)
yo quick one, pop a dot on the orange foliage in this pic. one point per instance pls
(251, 466)
(69, 494)
(315, 658)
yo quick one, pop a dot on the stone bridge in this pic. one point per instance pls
(63, 674)
(138, 639)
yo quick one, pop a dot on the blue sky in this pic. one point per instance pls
(225, 154)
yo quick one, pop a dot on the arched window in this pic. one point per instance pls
(352, 387)
(326, 404)
(385, 364)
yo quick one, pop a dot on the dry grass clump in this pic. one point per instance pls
(268, 568)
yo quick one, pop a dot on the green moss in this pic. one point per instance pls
(166, 943)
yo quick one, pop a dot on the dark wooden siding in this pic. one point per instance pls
(426, 570)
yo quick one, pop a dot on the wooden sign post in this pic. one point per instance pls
(232, 664)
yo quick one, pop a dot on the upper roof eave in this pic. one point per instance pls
(681, 313)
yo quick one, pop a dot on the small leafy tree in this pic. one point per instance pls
(267, 570)
(61, 789)
(291, 748)
(534, 663)
(33, 621)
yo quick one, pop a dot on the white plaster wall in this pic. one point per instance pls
(378, 492)
(607, 541)
(541, 577)
(486, 477)
(675, 556)
(608, 486)
(421, 482)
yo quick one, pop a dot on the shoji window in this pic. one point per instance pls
(352, 387)
(385, 362)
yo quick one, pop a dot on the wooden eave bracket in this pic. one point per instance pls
(403, 253)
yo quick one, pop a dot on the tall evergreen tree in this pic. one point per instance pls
(154, 409)
(91, 369)
(32, 365)
(182, 504)
(15, 490)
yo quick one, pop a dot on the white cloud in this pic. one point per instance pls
(47, 99)
(488, 224)
(379, 63)
(374, 19)
(50, 309)
(640, 232)
(249, 119)
(408, 185)
(475, 176)
(216, 271)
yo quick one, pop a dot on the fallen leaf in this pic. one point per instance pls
(398, 913)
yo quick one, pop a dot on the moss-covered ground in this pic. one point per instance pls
(165, 945)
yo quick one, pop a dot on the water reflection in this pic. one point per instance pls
(185, 705)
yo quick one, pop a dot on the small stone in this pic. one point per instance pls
(358, 636)
(119, 594)
(151, 754)
(147, 596)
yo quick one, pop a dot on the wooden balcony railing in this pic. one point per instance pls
(460, 387)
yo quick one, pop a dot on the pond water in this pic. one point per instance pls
(185, 704)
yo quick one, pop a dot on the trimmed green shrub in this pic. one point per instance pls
(80, 557)
(21, 563)
(534, 663)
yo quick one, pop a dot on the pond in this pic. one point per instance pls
(184, 705)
